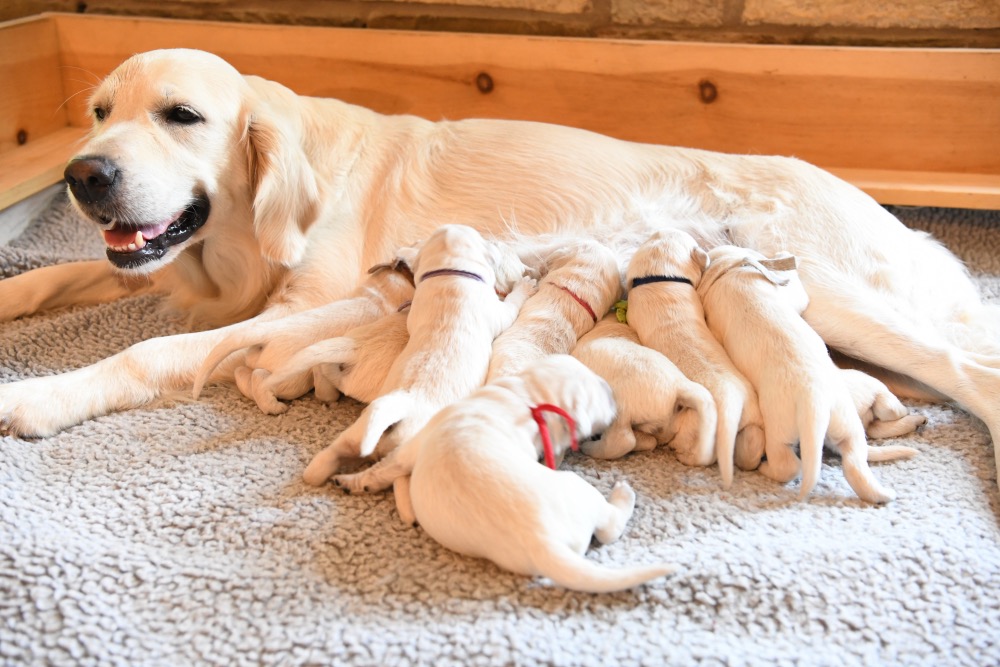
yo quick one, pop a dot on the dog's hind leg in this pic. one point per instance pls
(847, 436)
(620, 505)
(616, 441)
(862, 327)
(781, 465)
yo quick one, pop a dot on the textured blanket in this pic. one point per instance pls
(181, 533)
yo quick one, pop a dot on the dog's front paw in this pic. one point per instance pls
(525, 288)
(351, 483)
(38, 408)
(622, 496)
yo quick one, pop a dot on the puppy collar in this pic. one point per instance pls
(537, 412)
(576, 297)
(451, 272)
(645, 280)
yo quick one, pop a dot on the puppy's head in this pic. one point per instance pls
(564, 381)
(178, 153)
(462, 247)
(668, 252)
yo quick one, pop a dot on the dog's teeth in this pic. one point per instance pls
(139, 242)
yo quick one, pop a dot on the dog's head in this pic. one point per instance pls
(779, 271)
(671, 253)
(463, 248)
(183, 144)
(564, 381)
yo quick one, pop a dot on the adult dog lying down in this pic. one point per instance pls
(240, 199)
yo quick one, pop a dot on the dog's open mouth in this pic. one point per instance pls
(130, 245)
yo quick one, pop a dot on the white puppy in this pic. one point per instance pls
(754, 313)
(355, 364)
(453, 320)
(272, 342)
(656, 403)
(882, 414)
(666, 313)
(476, 485)
(580, 284)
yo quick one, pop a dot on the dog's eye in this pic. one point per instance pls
(183, 115)
(99, 113)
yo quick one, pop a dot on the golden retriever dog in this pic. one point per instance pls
(452, 323)
(581, 282)
(667, 315)
(477, 487)
(752, 307)
(239, 199)
(657, 404)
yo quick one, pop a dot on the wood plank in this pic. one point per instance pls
(929, 110)
(31, 105)
(922, 188)
(36, 165)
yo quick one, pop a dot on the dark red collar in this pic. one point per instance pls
(452, 272)
(576, 297)
(543, 429)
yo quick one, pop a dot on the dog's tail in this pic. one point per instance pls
(573, 571)
(729, 413)
(812, 416)
(885, 453)
(382, 414)
(695, 397)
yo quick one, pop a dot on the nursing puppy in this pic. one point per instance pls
(754, 313)
(666, 313)
(477, 487)
(355, 364)
(882, 414)
(656, 403)
(581, 282)
(271, 343)
(453, 320)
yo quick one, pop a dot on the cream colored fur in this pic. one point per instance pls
(657, 404)
(668, 317)
(306, 193)
(477, 487)
(452, 324)
(552, 320)
(754, 313)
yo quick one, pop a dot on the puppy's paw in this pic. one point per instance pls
(351, 483)
(622, 496)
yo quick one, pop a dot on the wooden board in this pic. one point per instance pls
(911, 126)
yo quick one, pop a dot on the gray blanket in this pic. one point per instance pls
(181, 533)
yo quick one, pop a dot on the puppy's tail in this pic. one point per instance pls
(695, 397)
(813, 420)
(729, 412)
(890, 453)
(571, 570)
(380, 415)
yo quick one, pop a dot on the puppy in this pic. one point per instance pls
(355, 364)
(754, 313)
(580, 284)
(453, 320)
(656, 403)
(477, 488)
(882, 414)
(666, 313)
(271, 343)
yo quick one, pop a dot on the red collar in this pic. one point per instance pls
(543, 428)
(586, 306)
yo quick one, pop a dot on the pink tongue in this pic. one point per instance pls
(120, 237)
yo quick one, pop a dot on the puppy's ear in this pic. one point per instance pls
(700, 258)
(282, 184)
(773, 276)
(407, 255)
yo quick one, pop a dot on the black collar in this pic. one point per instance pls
(645, 280)
(452, 272)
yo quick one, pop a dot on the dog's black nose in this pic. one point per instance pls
(90, 178)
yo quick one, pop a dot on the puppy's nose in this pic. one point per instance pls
(90, 178)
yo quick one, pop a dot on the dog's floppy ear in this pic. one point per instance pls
(768, 268)
(282, 184)
(700, 257)
(407, 255)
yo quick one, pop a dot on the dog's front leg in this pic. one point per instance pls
(73, 284)
(511, 305)
(43, 406)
